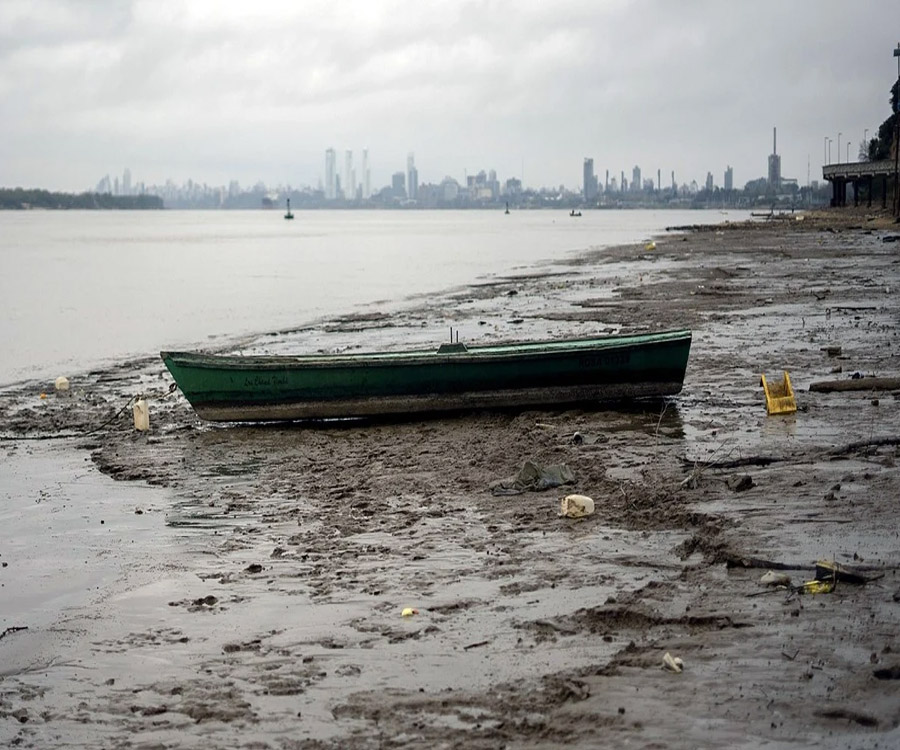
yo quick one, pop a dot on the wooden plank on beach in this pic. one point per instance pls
(856, 384)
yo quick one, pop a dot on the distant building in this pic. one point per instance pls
(636, 179)
(330, 175)
(398, 185)
(513, 186)
(709, 182)
(126, 182)
(729, 178)
(450, 189)
(366, 176)
(349, 176)
(589, 180)
(774, 163)
(412, 177)
(493, 184)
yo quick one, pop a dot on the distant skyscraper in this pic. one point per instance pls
(397, 184)
(330, 175)
(590, 180)
(774, 163)
(729, 178)
(412, 177)
(636, 179)
(126, 182)
(366, 185)
(709, 181)
(349, 176)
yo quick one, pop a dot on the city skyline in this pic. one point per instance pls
(224, 91)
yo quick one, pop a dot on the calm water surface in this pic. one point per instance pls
(79, 289)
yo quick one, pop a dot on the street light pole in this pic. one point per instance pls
(839, 146)
(848, 151)
(897, 137)
(829, 150)
(825, 150)
(866, 143)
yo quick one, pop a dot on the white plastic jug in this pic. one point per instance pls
(141, 415)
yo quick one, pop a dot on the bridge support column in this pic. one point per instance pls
(884, 192)
(855, 193)
(869, 189)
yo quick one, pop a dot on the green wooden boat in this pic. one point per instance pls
(451, 377)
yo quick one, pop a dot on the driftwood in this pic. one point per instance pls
(735, 561)
(856, 384)
(859, 444)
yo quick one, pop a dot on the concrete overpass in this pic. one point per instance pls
(860, 173)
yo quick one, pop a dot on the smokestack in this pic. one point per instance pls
(774, 140)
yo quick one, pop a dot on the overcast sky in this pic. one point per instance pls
(216, 90)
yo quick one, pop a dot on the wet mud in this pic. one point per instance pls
(358, 585)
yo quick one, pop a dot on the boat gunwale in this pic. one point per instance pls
(475, 354)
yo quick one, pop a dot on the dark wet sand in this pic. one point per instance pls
(255, 599)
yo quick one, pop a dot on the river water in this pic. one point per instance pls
(80, 289)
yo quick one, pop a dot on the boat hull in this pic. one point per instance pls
(234, 388)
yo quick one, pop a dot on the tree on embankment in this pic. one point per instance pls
(880, 145)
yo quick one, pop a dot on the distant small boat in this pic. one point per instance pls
(575, 213)
(451, 377)
(507, 207)
(289, 215)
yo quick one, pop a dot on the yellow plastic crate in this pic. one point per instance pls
(779, 396)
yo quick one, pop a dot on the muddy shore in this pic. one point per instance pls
(245, 584)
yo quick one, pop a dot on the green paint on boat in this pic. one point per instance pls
(452, 377)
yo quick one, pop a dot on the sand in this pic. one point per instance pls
(245, 586)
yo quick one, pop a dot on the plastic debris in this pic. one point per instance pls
(141, 415)
(828, 570)
(61, 383)
(43, 395)
(673, 663)
(409, 612)
(779, 396)
(771, 578)
(576, 506)
(816, 587)
(650, 246)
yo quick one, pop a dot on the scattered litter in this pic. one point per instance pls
(650, 246)
(816, 587)
(673, 664)
(61, 383)
(828, 570)
(576, 506)
(771, 578)
(141, 415)
(409, 612)
(779, 396)
(581, 438)
(534, 477)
